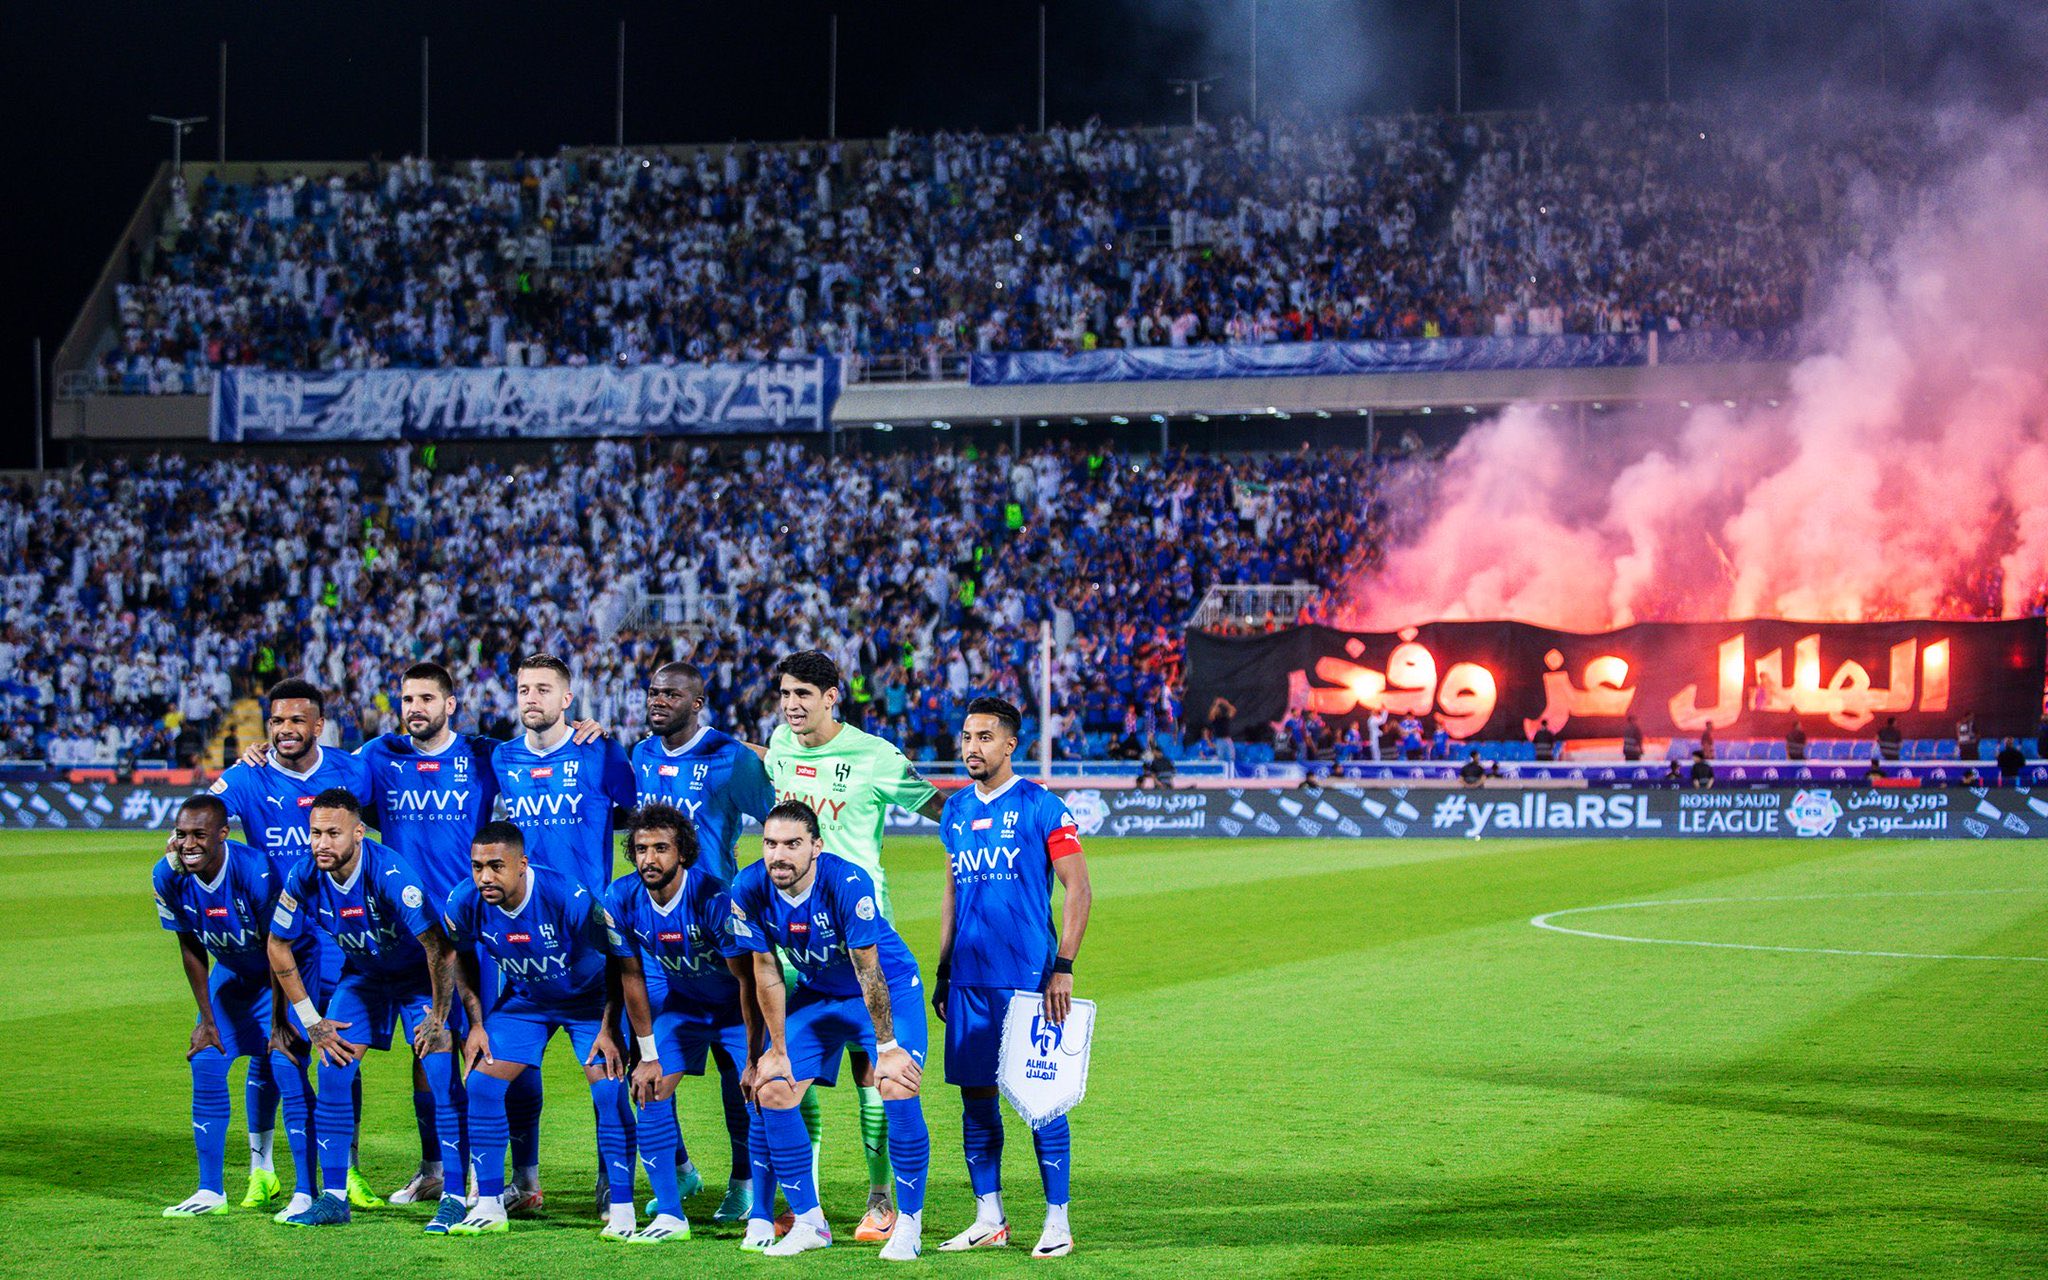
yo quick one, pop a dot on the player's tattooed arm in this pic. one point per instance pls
(933, 807)
(893, 1063)
(874, 991)
(432, 1035)
(324, 1033)
(468, 981)
(193, 957)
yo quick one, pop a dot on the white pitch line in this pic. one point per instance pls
(1544, 922)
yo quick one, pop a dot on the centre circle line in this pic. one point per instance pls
(1545, 920)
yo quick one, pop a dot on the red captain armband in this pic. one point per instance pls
(1063, 842)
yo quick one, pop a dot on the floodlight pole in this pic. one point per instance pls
(1045, 700)
(180, 125)
(1458, 57)
(423, 96)
(1255, 62)
(1041, 69)
(1193, 88)
(41, 413)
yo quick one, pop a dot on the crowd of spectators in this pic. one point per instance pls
(920, 245)
(140, 596)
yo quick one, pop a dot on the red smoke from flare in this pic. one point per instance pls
(1905, 475)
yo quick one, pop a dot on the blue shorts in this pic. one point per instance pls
(819, 1029)
(974, 1033)
(370, 1005)
(520, 1029)
(685, 1038)
(241, 1011)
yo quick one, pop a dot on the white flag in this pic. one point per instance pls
(1042, 1067)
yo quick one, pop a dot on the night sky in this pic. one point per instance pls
(342, 81)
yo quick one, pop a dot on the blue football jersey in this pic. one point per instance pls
(716, 781)
(1000, 850)
(552, 950)
(562, 800)
(271, 801)
(230, 914)
(815, 930)
(682, 946)
(377, 916)
(429, 807)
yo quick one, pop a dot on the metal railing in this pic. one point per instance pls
(678, 611)
(906, 366)
(1251, 607)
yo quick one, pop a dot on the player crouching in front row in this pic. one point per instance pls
(546, 935)
(860, 990)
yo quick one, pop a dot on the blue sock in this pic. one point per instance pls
(443, 1115)
(522, 1114)
(487, 1131)
(789, 1151)
(355, 1097)
(211, 1112)
(334, 1115)
(910, 1151)
(260, 1095)
(423, 1117)
(981, 1129)
(1055, 1156)
(299, 1129)
(737, 1124)
(764, 1166)
(659, 1142)
(614, 1147)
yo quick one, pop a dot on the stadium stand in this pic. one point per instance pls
(899, 252)
(144, 597)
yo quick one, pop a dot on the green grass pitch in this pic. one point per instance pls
(1315, 1058)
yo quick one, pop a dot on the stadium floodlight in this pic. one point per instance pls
(180, 126)
(1192, 89)
(1201, 417)
(1119, 419)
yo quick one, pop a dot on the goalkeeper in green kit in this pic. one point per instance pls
(850, 778)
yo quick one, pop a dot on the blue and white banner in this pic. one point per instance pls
(1405, 355)
(1296, 359)
(510, 404)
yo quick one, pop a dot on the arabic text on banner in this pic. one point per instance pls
(1042, 1067)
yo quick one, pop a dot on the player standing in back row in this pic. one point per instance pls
(1007, 839)
(849, 778)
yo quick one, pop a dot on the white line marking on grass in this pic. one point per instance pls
(1544, 922)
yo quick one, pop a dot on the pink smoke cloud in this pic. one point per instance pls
(1905, 476)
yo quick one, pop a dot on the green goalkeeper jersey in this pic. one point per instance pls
(850, 781)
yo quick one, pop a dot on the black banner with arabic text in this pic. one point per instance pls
(1498, 680)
